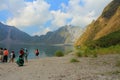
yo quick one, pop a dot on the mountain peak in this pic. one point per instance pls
(65, 34)
(11, 34)
(110, 10)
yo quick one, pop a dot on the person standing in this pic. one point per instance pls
(37, 53)
(12, 56)
(21, 53)
(5, 55)
(26, 54)
(1, 54)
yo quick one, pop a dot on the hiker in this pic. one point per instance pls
(12, 56)
(21, 53)
(37, 52)
(26, 54)
(1, 54)
(5, 55)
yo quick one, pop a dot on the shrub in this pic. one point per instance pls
(115, 72)
(118, 64)
(78, 54)
(95, 55)
(87, 52)
(86, 55)
(74, 60)
(59, 53)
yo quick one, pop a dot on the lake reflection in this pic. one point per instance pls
(45, 50)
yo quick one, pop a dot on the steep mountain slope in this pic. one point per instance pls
(3, 31)
(12, 34)
(107, 23)
(65, 34)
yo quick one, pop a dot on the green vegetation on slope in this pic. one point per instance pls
(87, 52)
(105, 45)
(109, 50)
(106, 41)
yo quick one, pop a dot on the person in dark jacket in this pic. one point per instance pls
(1, 54)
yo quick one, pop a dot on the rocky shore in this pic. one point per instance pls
(104, 67)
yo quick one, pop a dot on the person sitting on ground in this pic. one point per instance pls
(20, 60)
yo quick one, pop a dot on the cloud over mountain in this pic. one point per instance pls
(38, 13)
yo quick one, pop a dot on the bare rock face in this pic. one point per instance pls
(65, 34)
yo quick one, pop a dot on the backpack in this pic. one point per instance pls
(20, 61)
(13, 55)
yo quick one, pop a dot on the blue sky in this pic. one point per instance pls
(37, 17)
(56, 3)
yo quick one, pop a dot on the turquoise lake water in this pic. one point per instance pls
(45, 50)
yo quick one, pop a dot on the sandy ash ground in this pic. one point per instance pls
(104, 67)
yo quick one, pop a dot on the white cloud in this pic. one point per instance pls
(59, 18)
(34, 14)
(80, 15)
(96, 5)
(83, 14)
(37, 13)
(15, 5)
(83, 20)
(3, 5)
(11, 5)
(42, 31)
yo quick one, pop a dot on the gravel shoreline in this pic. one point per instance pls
(104, 67)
